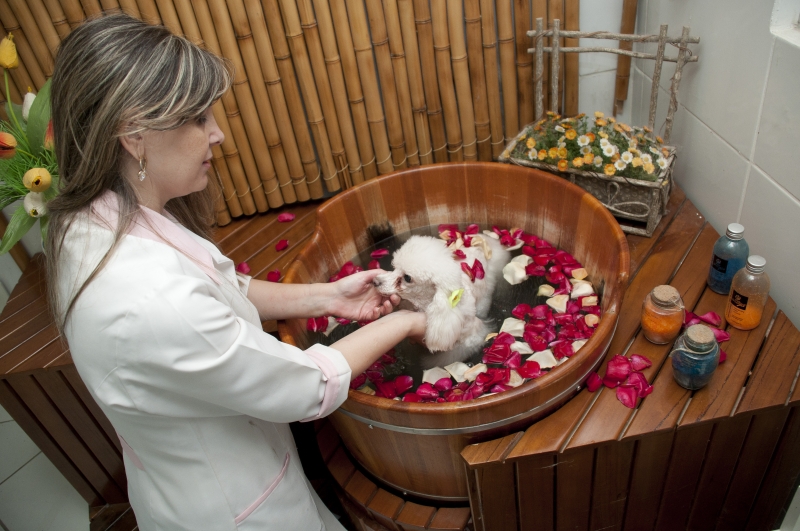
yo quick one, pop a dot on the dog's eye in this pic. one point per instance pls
(407, 279)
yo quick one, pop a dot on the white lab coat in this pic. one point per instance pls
(174, 354)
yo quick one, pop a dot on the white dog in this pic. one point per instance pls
(430, 277)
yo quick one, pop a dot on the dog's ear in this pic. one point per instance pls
(444, 323)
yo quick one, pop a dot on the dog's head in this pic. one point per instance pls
(422, 266)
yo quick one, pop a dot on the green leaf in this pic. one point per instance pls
(19, 224)
(18, 112)
(38, 118)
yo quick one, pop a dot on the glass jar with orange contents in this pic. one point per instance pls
(662, 315)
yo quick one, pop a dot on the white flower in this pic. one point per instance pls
(646, 158)
(532, 154)
(604, 142)
(662, 163)
(627, 157)
(35, 205)
(608, 151)
(562, 145)
(598, 161)
(583, 140)
(559, 129)
(26, 104)
(585, 150)
(620, 165)
(654, 150)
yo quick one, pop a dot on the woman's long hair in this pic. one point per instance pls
(115, 75)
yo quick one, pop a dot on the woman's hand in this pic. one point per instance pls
(356, 298)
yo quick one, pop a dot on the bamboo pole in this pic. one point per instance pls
(42, 18)
(17, 251)
(522, 24)
(19, 76)
(444, 71)
(148, 11)
(92, 8)
(416, 24)
(188, 22)
(266, 58)
(57, 17)
(74, 12)
(491, 75)
(265, 182)
(333, 65)
(369, 81)
(391, 105)
(355, 94)
(294, 101)
(227, 187)
(237, 165)
(109, 5)
(571, 61)
(505, 36)
(627, 25)
(221, 214)
(244, 36)
(461, 77)
(130, 7)
(226, 111)
(169, 16)
(24, 50)
(477, 74)
(36, 40)
(415, 140)
(301, 12)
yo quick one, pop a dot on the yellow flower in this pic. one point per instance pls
(649, 168)
(563, 165)
(615, 157)
(8, 52)
(625, 127)
(665, 151)
(581, 115)
(637, 161)
(37, 179)
(617, 128)
(553, 153)
(647, 129)
(588, 158)
(598, 114)
(530, 143)
(611, 119)
(659, 140)
(562, 153)
(577, 162)
(600, 122)
(571, 134)
(609, 169)
(8, 145)
(542, 154)
(550, 114)
(603, 134)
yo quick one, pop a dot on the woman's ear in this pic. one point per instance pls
(133, 144)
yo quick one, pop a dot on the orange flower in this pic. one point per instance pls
(625, 127)
(591, 137)
(530, 143)
(588, 158)
(562, 153)
(563, 165)
(659, 140)
(615, 157)
(553, 153)
(542, 154)
(8, 145)
(48, 137)
(571, 134)
(609, 169)
(577, 162)
(600, 122)
(611, 119)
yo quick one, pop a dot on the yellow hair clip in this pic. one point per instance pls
(455, 297)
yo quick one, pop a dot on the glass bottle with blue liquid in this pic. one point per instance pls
(729, 256)
(695, 357)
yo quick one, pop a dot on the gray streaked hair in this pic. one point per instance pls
(114, 76)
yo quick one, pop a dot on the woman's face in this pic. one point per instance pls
(178, 159)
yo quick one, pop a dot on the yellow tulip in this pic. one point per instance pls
(8, 145)
(8, 52)
(37, 179)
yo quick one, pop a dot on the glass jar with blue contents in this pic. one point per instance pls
(695, 357)
(729, 256)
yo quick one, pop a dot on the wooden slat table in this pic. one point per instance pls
(724, 457)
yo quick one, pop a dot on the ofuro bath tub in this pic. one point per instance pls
(413, 447)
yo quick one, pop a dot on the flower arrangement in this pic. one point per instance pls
(602, 145)
(28, 167)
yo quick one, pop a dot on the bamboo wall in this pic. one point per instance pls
(328, 93)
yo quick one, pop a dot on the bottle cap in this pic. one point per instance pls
(665, 296)
(735, 231)
(700, 337)
(756, 264)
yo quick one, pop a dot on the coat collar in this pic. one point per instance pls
(150, 225)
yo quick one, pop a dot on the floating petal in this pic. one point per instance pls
(582, 289)
(473, 372)
(443, 384)
(521, 347)
(458, 254)
(536, 342)
(558, 303)
(379, 253)
(513, 326)
(513, 361)
(535, 270)
(545, 290)
(562, 349)
(513, 272)
(591, 320)
(358, 381)
(426, 390)
(386, 390)
(374, 264)
(530, 369)
(432, 376)
(319, 324)
(411, 397)
(477, 269)
(468, 270)
(522, 259)
(515, 379)
(457, 370)
(472, 229)
(545, 359)
(403, 383)
(580, 273)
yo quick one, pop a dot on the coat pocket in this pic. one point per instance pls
(261, 499)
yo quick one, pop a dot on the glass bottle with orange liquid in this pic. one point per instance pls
(748, 295)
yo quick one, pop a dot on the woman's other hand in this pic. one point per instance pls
(356, 298)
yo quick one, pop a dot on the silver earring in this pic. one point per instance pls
(142, 168)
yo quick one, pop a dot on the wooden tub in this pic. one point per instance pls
(412, 447)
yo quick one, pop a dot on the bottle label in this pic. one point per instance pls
(738, 300)
(719, 264)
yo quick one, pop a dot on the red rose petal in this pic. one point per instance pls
(454, 395)
(619, 367)
(411, 397)
(281, 245)
(594, 382)
(443, 384)
(497, 353)
(388, 357)
(639, 363)
(499, 388)
(610, 382)
(530, 369)
(536, 342)
(403, 383)
(721, 335)
(358, 381)
(521, 310)
(319, 324)
(458, 254)
(722, 356)
(646, 391)
(536, 326)
(638, 382)
(535, 270)
(477, 270)
(472, 228)
(562, 349)
(274, 275)
(285, 217)
(627, 395)
(711, 318)
(386, 389)
(426, 390)
(374, 376)
(243, 268)
(468, 270)
(445, 227)
(514, 361)
(343, 321)
(690, 319)
(378, 253)
(374, 264)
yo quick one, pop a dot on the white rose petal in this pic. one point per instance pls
(514, 379)
(457, 370)
(591, 320)
(513, 326)
(545, 290)
(580, 273)
(491, 234)
(473, 372)
(332, 323)
(523, 259)
(521, 347)
(514, 273)
(516, 245)
(432, 376)
(545, 359)
(558, 303)
(589, 301)
(576, 345)
(562, 360)
(582, 289)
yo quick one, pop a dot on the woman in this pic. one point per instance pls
(166, 336)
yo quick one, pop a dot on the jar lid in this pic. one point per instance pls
(700, 336)
(756, 264)
(735, 231)
(665, 296)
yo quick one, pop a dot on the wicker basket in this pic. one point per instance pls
(637, 205)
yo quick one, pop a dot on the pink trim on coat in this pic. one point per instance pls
(239, 519)
(127, 450)
(331, 386)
